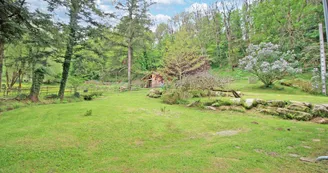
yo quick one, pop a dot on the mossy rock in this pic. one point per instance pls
(303, 116)
(291, 114)
(250, 103)
(298, 107)
(219, 103)
(153, 95)
(309, 105)
(269, 111)
(260, 102)
(277, 103)
(233, 108)
(237, 101)
(320, 111)
(156, 91)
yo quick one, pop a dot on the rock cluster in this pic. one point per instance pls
(301, 111)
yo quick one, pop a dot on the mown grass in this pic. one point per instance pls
(278, 92)
(128, 132)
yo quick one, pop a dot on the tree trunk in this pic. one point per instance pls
(129, 66)
(7, 82)
(20, 78)
(69, 52)
(38, 76)
(2, 49)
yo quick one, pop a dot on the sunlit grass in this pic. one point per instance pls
(128, 132)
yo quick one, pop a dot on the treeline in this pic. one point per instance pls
(36, 47)
(223, 30)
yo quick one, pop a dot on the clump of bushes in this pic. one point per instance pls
(193, 86)
(176, 96)
(90, 96)
(204, 81)
(304, 85)
(51, 96)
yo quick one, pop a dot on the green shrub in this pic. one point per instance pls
(135, 87)
(97, 94)
(175, 96)
(51, 96)
(20, 97)
(88, 97)
(77, 95)
(88, 113)
(91, 96)
(305, 86)
(56, 102)
(198, 93)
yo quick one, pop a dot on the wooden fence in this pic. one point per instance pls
(47, 90)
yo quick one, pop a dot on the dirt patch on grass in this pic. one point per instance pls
(228, 133)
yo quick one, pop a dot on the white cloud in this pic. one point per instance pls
(160, 18)
(197, 7)
(157, 19)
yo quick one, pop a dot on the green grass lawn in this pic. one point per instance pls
(278, 93)
(129, 132)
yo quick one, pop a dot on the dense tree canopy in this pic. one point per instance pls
(90, 49)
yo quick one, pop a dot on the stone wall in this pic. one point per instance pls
(301, 111)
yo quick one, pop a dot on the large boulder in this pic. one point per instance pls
(268, 111)
(299, 107)
(236, 101)
(291, 114)
(320, 111)
(250, 103)
(260, 102)
(301, 103)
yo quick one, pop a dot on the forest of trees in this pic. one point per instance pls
(36, 48)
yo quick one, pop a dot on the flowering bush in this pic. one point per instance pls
(268, 63)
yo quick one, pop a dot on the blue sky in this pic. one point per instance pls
(160, 12)
(172, 7)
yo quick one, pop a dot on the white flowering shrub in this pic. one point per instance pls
(268, 63)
